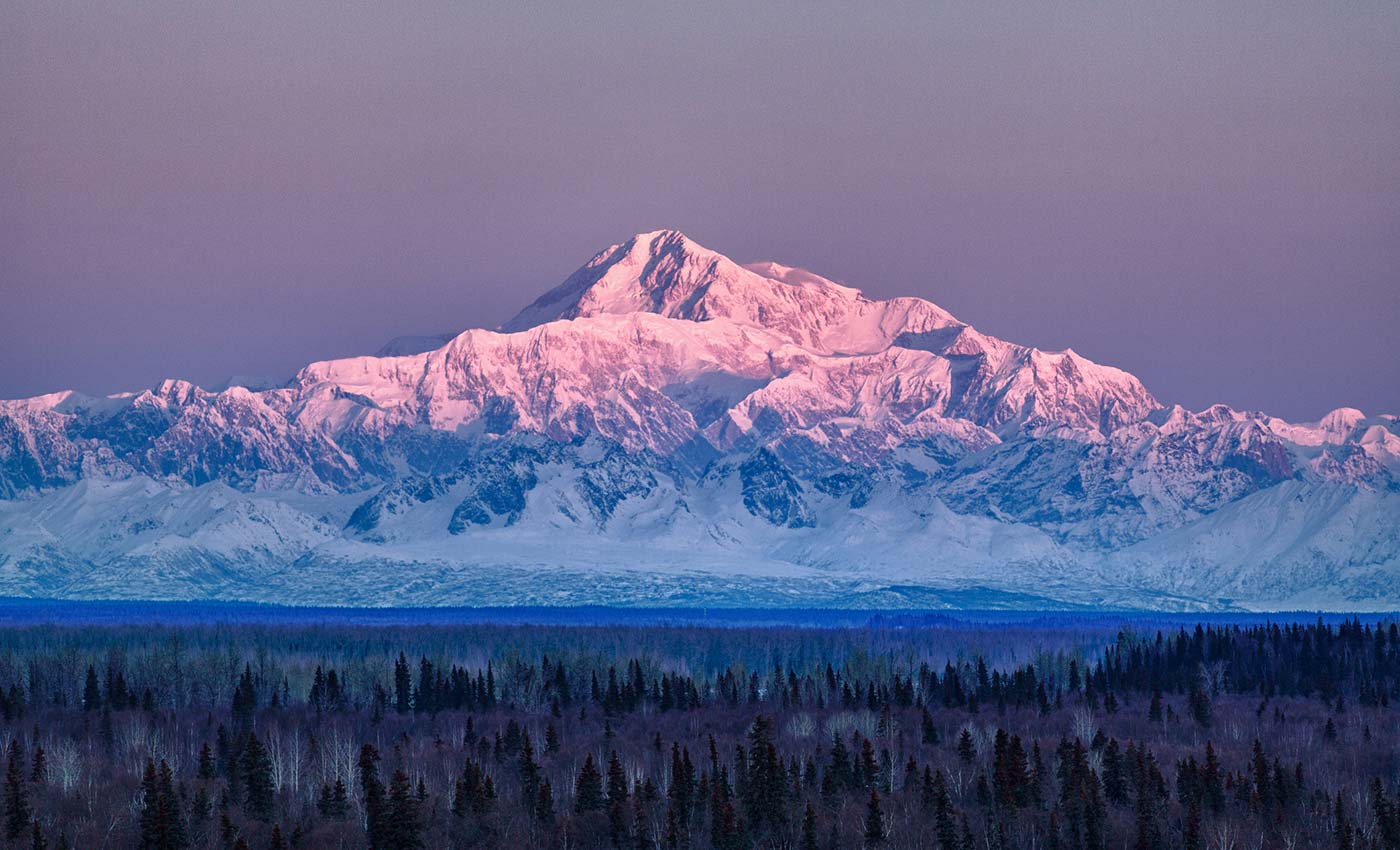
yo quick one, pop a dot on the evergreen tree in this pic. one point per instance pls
(245, 700)
(588, 791)
(372, 793)
(529, 774)
(809, 829)
(874, 821)
(402, 685)
(1343, 831)
(323, 800)
(1212, 783)
(161, 824)
(967, 751)
(149, 820)
(16, 795)
(402, 829)
(172, 818)
(340, 799)
(256, 766)
(927, 729)
(426, 696)
(544, 803)
(1191, 832)
(617, 780)
(317, 695)
(92, 695)
(1198, 701)
(671, 837)
(839, 770)
(206, 768)
(765, 788)
(943, 814)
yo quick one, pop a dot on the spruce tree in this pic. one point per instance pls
(340, 800)
(171, 818)
(943, 814)
(245, 701)
(1198, 701)
(544, 803)
(809, 829)
(207, 769)
(92, 695)
(927, 729)
(372, 791)
(617, 780)
(1191, 832)
(149, 821)
(402, 829)
(1212, 781)
(588, 791)
(874, 821)
(258, 793)
(671, 837)
(402, 685)
(529, 773)
(16, 795)
(1343, 831)
(967, 751)
(765, 790)
(323, 800)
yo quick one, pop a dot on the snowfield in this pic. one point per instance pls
(669, 427)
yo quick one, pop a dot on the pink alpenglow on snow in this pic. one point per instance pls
(668, 425)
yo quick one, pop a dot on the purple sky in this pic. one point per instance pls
(1208, 196)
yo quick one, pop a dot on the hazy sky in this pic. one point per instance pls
(1205, 194)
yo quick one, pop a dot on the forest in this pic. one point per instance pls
(1059, 735)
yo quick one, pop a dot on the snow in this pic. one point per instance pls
(668, 424)
(401, 346)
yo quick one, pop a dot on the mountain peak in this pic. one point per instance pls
(667, 273)
(666, 235)
(651, 272)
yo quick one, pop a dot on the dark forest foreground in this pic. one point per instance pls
(392, 738)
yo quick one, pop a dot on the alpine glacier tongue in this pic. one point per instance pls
(669, 425)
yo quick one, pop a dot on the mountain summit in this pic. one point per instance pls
(667, 274)
(669, 426)
(997, 383)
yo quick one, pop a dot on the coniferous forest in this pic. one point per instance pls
(266, 737)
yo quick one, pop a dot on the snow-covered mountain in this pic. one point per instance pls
(670, 427)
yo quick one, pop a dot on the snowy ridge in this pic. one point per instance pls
(696, 429)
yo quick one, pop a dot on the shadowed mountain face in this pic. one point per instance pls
(669, 426)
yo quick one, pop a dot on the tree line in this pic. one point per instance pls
(1218, 735)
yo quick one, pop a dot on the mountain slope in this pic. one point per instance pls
(689, 428)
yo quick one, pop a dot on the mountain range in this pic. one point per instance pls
(669, 427)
